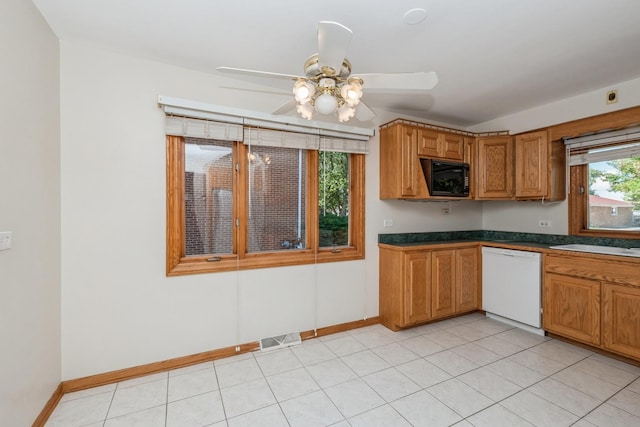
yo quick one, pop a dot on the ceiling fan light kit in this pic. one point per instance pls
(327, 87)
(327, 95)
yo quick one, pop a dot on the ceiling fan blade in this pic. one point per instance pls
(363, 112)
(254, 73)
(267, 92)
(285, 108)
(399, 82)
(333, 42)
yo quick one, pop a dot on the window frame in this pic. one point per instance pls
(178, 264)
(579, 208)
(579, 175)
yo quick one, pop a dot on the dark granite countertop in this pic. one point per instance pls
(496, 238)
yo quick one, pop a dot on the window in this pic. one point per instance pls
(605, 184)
(333, 178)
(260, 200)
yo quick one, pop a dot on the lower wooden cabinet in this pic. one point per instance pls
(443, 282)
(419, 285)
(594, 300)
(621, 319)
(572, 307)
(417, 297)
(467, 280)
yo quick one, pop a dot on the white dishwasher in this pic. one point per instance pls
(511, 288)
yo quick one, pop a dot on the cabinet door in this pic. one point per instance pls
(428, 143)
(440, 145)
(467, 266)
(531, 165)
(410, 163)
(495, 168)
(572, 307)
(452, 146)
(621, 319)
(470, 157)
(417, 293)
(443, 295)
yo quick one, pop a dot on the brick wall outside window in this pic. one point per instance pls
(277, 198)
(208, 197)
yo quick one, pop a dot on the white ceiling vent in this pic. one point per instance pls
(280, 341)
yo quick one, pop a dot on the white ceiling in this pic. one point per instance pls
(493, 57)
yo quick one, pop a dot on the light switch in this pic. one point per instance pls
(5, 240)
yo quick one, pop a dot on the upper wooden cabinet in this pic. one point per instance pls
(494, 167)
(435, 144)
(539, 167)
(401, 175)
(528, 167)
(470, 156)
(402, 144)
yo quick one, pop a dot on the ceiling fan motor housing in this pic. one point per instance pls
(313, 70)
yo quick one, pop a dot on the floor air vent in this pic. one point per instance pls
(281, 341)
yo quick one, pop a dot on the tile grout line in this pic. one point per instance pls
(166, 402)
(370, 345)
(611, 397)
(113, 396)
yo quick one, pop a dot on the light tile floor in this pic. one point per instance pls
(467, 371)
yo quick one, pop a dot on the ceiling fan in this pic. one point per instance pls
(327, 86)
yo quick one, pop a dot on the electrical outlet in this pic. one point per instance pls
(545, 223)
(444, 211)
(5, 240)
(387, 223)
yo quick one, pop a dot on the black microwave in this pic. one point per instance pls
(445, 178)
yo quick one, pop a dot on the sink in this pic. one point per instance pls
(596, 249)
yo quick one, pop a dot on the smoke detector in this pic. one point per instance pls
(414, 16)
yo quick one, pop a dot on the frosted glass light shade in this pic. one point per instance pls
(303, 91)
(326, 104)
(351, 93)
(305, 111)
(346, 112)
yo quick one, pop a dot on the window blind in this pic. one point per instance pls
(197, 128)
(342, 145)
(603, 146)
(274, 138)
(304, 141)
(209, 129)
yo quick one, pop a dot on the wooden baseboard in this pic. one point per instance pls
(49, 407)
(155, 367)
(178, 362)
(207, 356)
(339, 328)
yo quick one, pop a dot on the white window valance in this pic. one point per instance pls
(604, 146)
(196, 128)
(197, 120)
(273, 138)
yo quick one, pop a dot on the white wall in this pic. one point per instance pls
(119, 309)
(30, 208)
(524, 216)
